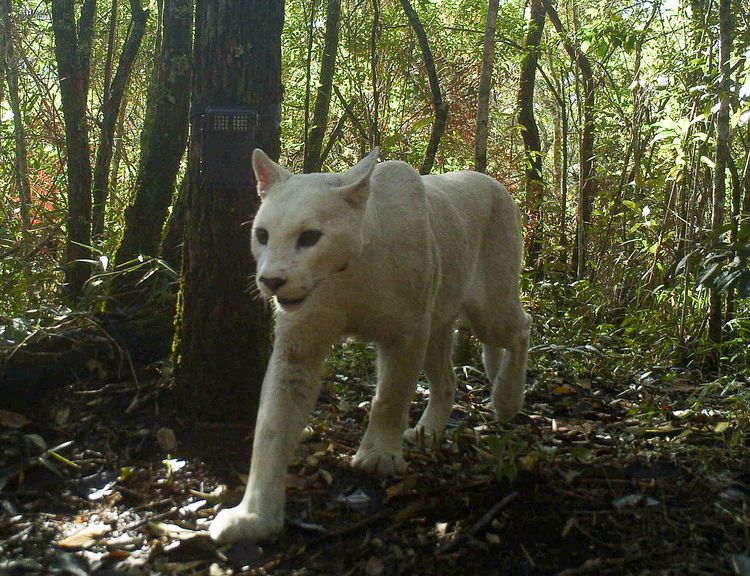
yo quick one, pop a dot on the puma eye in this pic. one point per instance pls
(261, 235)
(308, 238)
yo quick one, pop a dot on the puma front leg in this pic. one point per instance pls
(290, 389)
(399, 364)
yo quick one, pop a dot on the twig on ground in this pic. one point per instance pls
(483, 521)
(142, 521)
(592, 565)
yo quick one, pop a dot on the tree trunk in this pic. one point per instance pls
(110, 112)
(746, 180)
(441, 107)
(463, 349)
(560, 163)
(485, 88)
(374, 36)
(174, 230)
(223, 342)
(715, 319)
(314, 145)
(9, 65)
(73, 55)
(114, 179)
(734, 220)
(111, 37)
(163, 142)
(530, 134)
(587, 180)
(308, 67)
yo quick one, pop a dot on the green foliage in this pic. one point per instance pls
(653, 256)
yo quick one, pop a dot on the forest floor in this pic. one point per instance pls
(640, 474)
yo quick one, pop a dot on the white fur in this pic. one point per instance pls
(401, 258)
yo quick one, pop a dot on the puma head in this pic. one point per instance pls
(308, 228)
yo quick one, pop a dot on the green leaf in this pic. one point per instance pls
(423, 123)
(708, 162)
(602, 48)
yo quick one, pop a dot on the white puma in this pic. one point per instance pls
(386, 255)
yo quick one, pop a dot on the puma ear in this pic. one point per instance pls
(267, 172)
(357, 189)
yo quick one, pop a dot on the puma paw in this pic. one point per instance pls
(234, 525)
(379, 462)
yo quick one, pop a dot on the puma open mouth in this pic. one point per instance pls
(293, 302)
(287, 302)
(290, 301)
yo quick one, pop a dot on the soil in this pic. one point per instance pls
(599, 475)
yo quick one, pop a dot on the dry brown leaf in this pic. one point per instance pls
(563, 390)
(85, 538)
(13, 419)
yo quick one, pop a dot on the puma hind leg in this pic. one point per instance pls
(438, 367)
(505, 348)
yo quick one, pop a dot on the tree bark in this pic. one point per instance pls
(308, 67)
(114, 179)
(746, 180)
(163, 143)
(587, 178)
(715, 319)
(111, 36)
(560, 169)
(222, 342)
(534, 181)
(110, 111)
(441, 107)
(314, 145)
(463, 349)
(73, 55)
(174, 230)
(485, 87)
(9, 65)
(374, 36)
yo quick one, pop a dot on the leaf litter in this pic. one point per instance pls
(594, 477)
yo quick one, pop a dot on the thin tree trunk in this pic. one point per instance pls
(561, 177)
(308, 68)
(3, 26)
(114, 179)
(734, 229)
(746, 179)
(485, 87)
(559, 170)
(441, 107)
(222, 334)
(374, 36)
(10, 67)
(111, 36)
(463, 346)
(715, 319)
(163, 142)
(534, 179)
(73, 55)
(314, 146)
(110, 113)
(333, 138)
(587, 179)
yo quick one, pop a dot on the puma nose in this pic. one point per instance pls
(273, 283)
